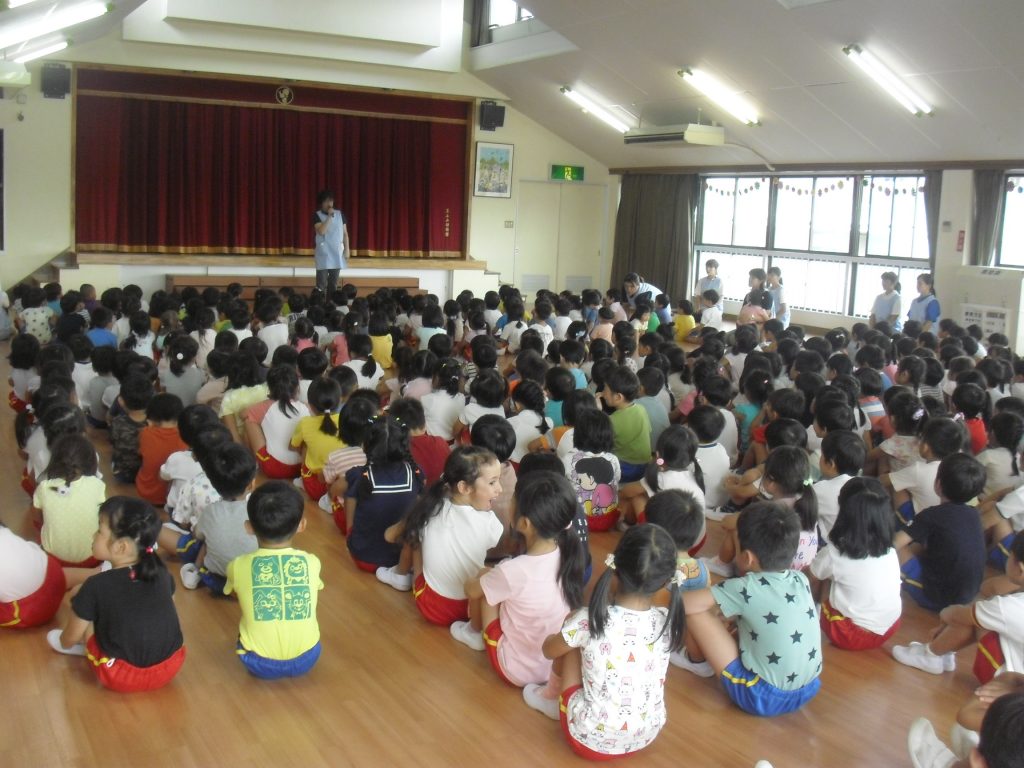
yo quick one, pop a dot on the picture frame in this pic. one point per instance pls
(493, 177)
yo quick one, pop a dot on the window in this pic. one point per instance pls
(892, 217)
(846, 231)
(2, 195)
(1011, 244)
(505, 12)
(736, 211)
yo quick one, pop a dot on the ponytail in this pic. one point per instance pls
(571, 566)
(531, 397)
(424, 510)
(597, 609)
(328, 425)
(806, 508)
(130, 342)
(369, 367)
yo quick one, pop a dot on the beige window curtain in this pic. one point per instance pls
(654, 230)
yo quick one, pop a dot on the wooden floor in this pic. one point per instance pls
(392, 690)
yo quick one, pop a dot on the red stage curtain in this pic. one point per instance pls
(189, 173)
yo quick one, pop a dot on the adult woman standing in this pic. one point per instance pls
(925, 308)
(888, 304)
(780, 309)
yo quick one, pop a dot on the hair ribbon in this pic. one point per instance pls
(610, 560)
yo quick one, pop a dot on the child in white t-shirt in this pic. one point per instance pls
(32, 583)
(675, 467)
(487, 393)
(620, 630)
(711, 315)
(842, 457)
(1000, 459)
(708, 423)
(914, 485)
(446, 536)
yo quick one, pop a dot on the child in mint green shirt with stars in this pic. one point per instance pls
(773, 664)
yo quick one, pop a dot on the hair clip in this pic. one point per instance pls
(677, 579)
(659, 461)
(610, 560)
(958, 417)
(918, 414)
(179, 356)
(149, 550)
(29, 408)
(808, 482)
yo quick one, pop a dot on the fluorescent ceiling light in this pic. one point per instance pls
(723, 96)
(18, 3)
(597, 111)
(38, 53)
(49, 23)
(886, 78)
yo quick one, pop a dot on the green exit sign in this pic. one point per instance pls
(567, 173)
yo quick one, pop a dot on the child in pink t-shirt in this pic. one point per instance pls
(514, 606)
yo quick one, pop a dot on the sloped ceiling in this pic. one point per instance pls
(964, 56)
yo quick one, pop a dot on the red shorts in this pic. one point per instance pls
(989, 658)
(16, 402)
(364, 566)
(275, 469)
(120, 676)
(312, 483)
(846, 635)
(338, 513)
(577, 747)
(436, 609)
(605, 522)
(39, 607)
(492, 635)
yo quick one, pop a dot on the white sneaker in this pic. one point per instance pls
(963, 740)
(763, 764)
(53, 638)
(920, 657)
(190, 577)
(401, 582)
(717, 567)
(463, 632)
(716, 514)
(325, 503)
(699, 668)
(948, 659)
(297, 482)
(926, 751)
(533, 695)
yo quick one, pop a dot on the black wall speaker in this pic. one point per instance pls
(492, 115)
(56, 80)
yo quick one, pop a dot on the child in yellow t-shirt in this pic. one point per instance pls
(318, 435)
(277, 588)
(684, 321)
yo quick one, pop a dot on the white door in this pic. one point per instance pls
(581, 225)
(537, 235)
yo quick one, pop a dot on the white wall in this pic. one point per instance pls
(536, 150)
(37, 180)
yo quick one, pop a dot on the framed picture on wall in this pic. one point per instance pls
(493, 170)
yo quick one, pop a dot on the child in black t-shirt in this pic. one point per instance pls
(942, 552)
(124, 619)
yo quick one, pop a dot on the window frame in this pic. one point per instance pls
(851, 257)
(1010, 174)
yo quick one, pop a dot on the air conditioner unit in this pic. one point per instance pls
(703, 135)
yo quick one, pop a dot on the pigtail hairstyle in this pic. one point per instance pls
(386, 443)
(182, 351)
(907, 413)
(787, 466)
(283, 386)
(361, 346)
(972, 401)
(138, 322)
(463, 465)
(448, 375)
(644, 562)
(677, 451)
(1008, 431)
(531, 397)
(548, 501)
(135, 519)
(324, 395)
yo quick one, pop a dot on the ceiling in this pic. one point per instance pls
(964, 56)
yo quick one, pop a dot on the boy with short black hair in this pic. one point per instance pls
(843, 454)
(717, 391)
(710, 314)
(220, 530)
(277, 588)
(103, 364)
(157, 441)
(125, 428)
(630, 423)
(652, 382)
(942, 552)
(558, 385)
(772, 665)
(708, 423)
(914, 486)
(573, 354)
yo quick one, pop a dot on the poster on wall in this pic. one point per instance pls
(493, 170)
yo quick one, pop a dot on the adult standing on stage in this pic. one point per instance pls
(331, 242)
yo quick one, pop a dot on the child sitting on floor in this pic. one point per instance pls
(942, 552)
(620, 629)
(675, 466)
(593, 468)
(429, 452)
(277, 588)
(773, 664)
(862, 607)
(32, 583)
(914, 485)
(270, 425)
(842, 457)
(182, 466)
(630, 424)
(317, 435)
(157, 441)
(136, 392)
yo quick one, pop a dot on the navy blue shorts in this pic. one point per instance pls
(272, 669)
(631, 473)
(756, 696)
(1001, 553)
(911, 573)
(213, 581)
(187, 549)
